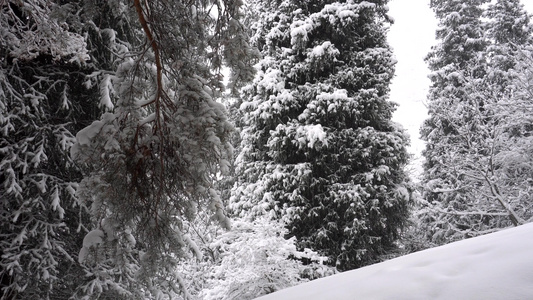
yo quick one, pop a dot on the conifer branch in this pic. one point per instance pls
(157, 99)
(155, 48)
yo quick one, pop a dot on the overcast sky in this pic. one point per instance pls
(411, 37)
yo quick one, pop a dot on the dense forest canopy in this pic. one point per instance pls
(129, 170)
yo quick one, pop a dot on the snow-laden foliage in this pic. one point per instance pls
(455, 58)
(42, 104)
(508, 24)
(152, 159)
(469, 188)
(38, 28)
(153, 69)
(251, 260)
(319, 151)
(256, 259)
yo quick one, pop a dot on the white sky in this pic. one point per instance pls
(412, 36)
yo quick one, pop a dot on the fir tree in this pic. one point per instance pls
(465, 188)
(508, 30)
(43, 63)
(319, 150)
(138, 83)
(151, 160)
(459, 51)
(508, 23)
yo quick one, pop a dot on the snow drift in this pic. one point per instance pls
(494, 266)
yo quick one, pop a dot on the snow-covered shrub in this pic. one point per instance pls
(256, 259)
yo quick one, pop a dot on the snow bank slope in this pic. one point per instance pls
(494, 266)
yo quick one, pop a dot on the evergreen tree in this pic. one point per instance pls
(319, 150)
(465, 188)
(510, 33)
(43, 63)
(508, 30)
(508, 23)
(457, 56)
(152, 159)
(152, 69)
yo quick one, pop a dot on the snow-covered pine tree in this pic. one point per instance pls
(508, 24)
(319, 150)
(151, 159)
(460, 49)
(43, 63)
(508, 29)
(515, 157)
(510, 33)
(463, 173)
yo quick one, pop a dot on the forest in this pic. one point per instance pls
(228, 149)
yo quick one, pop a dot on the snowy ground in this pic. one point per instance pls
(495, 266)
